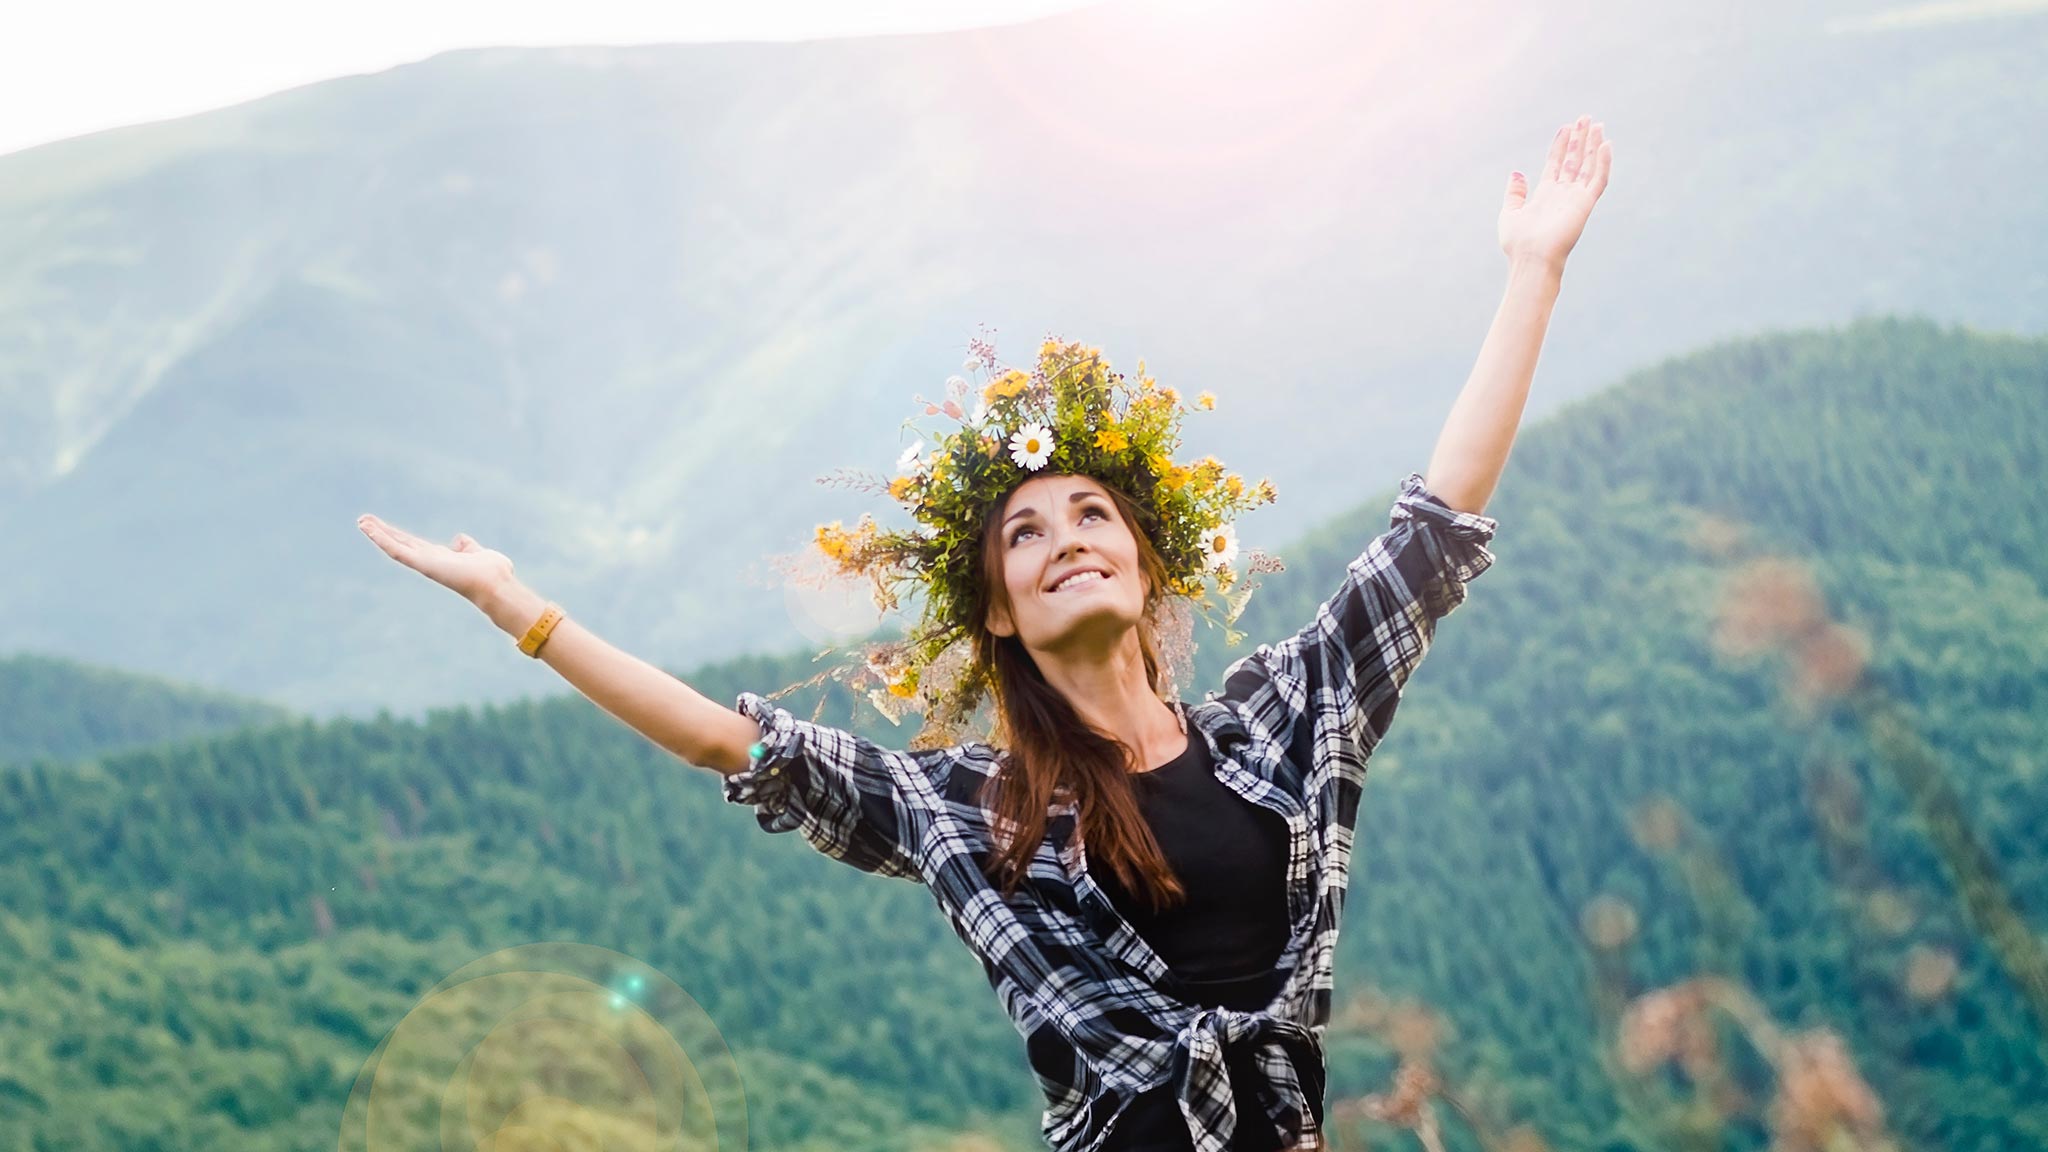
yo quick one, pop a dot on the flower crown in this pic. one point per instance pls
(1069, 414)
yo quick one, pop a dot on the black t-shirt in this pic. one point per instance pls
(1223, 940)
(1231, 856)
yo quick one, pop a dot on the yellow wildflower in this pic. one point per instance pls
(1176, 478)
(1234, 485)
(1003, 387)
(1169, 395)
(905, 686)
(1207, 401)
(833, 541)
(1112, 438)
(901, 486)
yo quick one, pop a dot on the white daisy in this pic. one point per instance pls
(1031, 446)
(909, 464)
(1219, 546)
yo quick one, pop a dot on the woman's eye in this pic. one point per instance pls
(1093, 511)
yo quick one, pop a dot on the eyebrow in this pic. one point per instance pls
(1074, 498)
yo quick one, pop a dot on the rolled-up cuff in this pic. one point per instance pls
(767, 782)
(1457, 540)
(1418, 502)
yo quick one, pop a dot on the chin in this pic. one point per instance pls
(1112, 619)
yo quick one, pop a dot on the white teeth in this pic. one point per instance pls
(1078, 578)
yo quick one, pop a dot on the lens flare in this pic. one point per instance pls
(542, 1047)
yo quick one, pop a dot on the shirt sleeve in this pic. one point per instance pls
(1348, 665)
(850, 798)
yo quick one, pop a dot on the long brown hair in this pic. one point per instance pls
(1052, 752)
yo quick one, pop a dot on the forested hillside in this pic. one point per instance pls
(1590, 792)
(64, 709)
(1580, 731)
(208, 940)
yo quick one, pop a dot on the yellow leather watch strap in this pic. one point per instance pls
(538, 634)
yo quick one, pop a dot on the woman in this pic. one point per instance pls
(1153, 887)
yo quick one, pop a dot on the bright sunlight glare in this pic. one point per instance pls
(88, 65)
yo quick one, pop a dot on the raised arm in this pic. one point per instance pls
(695, 728)
(1537, 231)
(853, 800)
(675, 716)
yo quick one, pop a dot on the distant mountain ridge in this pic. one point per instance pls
(63, 710)
(612, 310)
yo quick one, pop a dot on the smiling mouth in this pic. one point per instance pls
(1080, 579)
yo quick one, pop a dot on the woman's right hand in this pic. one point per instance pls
(463, 566)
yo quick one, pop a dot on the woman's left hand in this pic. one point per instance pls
(1543, 224)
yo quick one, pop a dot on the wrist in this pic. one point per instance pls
(512, 606)
(1533, 267)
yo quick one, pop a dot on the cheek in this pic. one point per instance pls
(1022, 589)
(1135, 586)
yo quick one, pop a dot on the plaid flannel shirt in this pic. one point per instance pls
(1290, 730)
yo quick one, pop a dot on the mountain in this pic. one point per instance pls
(205, 943)
(1585, 697)
(65, 710)
(610, 310)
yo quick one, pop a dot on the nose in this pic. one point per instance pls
(1065, 542)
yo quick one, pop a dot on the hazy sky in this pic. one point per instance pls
(85, 65)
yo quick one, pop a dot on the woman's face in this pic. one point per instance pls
(1052, 528)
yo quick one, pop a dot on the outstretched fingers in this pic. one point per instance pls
(396, 542)
(1575, 150)
(409, 538)
(1554, 163)
(1589, 159)
(378, 530)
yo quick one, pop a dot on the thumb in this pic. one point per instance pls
(1518, 191)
